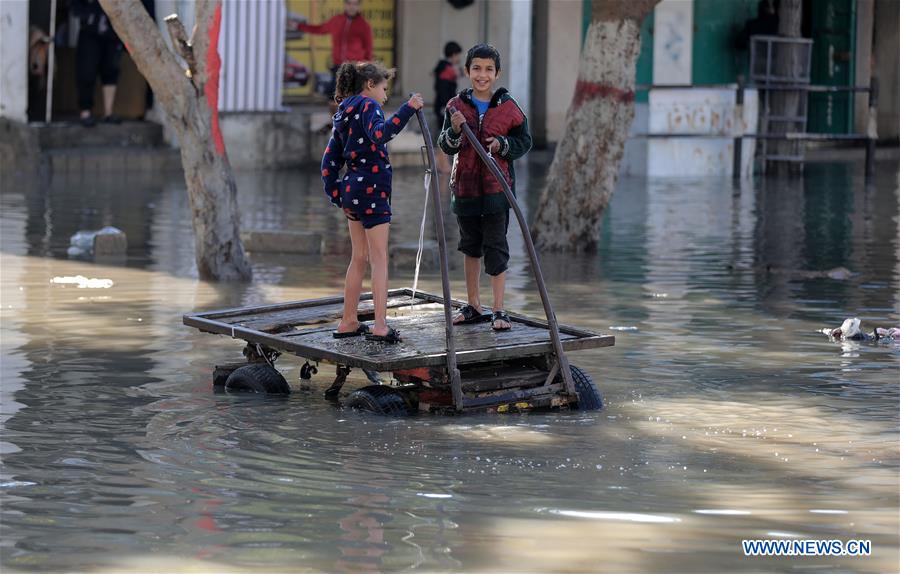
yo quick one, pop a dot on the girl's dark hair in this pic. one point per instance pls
(352, 78)
(485, 51)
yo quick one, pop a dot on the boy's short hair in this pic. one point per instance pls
(451, 49)
(485, 51)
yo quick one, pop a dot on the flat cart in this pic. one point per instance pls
(438, 367)
(499, 370)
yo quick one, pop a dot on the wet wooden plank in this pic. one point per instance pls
(288, 320)
(424, 343)
(422, 328)
(221, 314)
(502, 378)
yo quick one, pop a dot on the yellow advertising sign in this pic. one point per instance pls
(307, 64)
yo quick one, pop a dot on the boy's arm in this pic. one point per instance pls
(449, 141)
(517, 142)
(377, 128)
(332, 162)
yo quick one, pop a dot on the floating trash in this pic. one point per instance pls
(622, 328)
(83, 282)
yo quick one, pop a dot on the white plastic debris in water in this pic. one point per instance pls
(622, 328)
(83, 282)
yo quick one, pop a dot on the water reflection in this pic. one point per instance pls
(728, 415)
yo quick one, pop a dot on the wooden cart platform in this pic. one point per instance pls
(304, 328)
(498, 371)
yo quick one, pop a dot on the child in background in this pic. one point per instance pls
(477, 199)
(444, 89)
(360, 132)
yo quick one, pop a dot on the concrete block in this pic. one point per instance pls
(335, 244)
(301, 242)
(403, 256)
(110, 241)
(406, 149)
(105, 243)
(268, 140)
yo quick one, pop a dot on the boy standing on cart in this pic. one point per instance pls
(477, 199)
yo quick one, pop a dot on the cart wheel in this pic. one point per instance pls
(589, 397)
(379, 399)
(257, 378)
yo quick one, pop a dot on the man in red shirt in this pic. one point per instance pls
(351, 40)
(351, 36)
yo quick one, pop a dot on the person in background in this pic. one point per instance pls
(99, 51)
(765, 24)
(445, 75)
(351, 41)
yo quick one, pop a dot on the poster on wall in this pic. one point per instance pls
(307, 62)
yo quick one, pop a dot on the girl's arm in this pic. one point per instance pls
(332, 162)
(377, 128)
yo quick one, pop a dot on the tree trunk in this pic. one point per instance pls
(788, 63)
(586, 163)
(189, 99)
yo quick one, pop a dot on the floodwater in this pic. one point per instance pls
(728, 415)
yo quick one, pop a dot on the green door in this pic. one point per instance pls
(717, 23)
(833, 31)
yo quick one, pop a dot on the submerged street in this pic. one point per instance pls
(728, 416)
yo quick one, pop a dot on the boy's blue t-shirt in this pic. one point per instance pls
(481, 106)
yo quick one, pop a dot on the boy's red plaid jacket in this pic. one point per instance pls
(475, 190)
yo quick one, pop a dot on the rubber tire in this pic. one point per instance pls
(257, 378)
(379, 399)
(221, 374)
(589, 397)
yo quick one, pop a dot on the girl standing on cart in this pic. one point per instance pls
(363, 190)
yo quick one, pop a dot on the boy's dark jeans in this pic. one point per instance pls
(485, 236)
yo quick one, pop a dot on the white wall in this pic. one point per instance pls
(426, 25)
(14, 59)
(707, 111)
(563, 54)
(673, 27)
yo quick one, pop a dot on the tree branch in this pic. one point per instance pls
(181, 42)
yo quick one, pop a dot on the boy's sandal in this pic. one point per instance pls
(363, 329)
(500, 316)
(392, 336)
(471, 315)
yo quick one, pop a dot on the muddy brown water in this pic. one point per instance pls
(728, 415)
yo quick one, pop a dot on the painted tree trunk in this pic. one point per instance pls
(189, 100)
(785, 104)
(585, 166)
